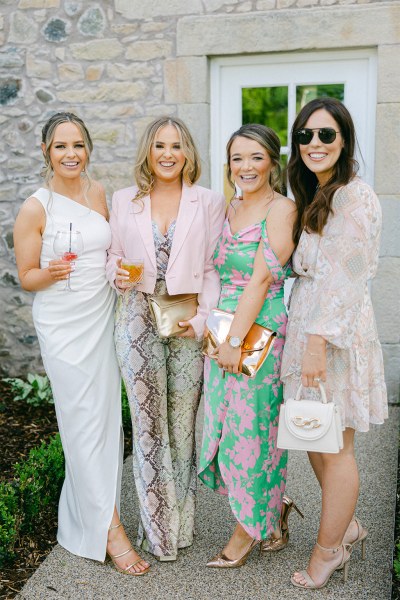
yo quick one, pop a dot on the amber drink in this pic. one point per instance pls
(135, 267)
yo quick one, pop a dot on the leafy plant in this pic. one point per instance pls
(35, 391)
(40, 479)
(9, 521)
(126, 413)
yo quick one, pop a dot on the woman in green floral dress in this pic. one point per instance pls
(239, 456)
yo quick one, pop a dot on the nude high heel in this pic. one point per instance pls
(275, 544)
(126, 570)
(361, 537)
(220, 561)
(344, 564)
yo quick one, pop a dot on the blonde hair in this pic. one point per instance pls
(143, 173)
(48, 132)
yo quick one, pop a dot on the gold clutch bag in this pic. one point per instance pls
(168, 310)
(256, 346)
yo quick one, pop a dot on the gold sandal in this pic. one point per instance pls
(275, 544)
(221, 561)
(126, 570)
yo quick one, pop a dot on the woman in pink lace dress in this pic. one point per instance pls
(331, 335)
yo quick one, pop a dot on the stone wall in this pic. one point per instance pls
(120, 63)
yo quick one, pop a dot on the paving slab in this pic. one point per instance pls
(65, 576)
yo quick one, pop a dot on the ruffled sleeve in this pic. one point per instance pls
(347, 257)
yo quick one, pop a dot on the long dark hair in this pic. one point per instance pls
(314, 203)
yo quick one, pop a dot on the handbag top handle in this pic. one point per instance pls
(321, 390)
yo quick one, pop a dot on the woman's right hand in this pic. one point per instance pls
(122, 277)
(59, 270)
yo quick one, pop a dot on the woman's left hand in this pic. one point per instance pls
(229, 358)
(190, 332)
(313, 369)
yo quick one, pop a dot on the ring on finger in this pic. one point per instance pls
(317, 379)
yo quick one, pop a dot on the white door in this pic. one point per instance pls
(275, 86)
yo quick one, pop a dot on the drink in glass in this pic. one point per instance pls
(135, 267)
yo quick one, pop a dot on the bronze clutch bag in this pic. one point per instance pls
(256, 346)
(168, 310)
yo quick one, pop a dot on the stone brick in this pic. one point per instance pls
(149, 50)
(38, 68)
(9, 90)
(244, 7)
(94, 72)
(106, 49)
(388, 73)
(22, 29)
(131, 71)
(124, 28)
(73, 7)
(11, 58)
(70, 71)
(197, 118)
(265, 4)
(285, 3)
(44, 95)
(387, 304)
(304, 3)
(7, 192)
(387, 180)
(338, 27)
(390, 241)
(107, 133)
(39, 4)
(154, 26)
(186, 80)
(56, 30)
(92, 21)
(138, 9)
(104, 92)
(214, 5)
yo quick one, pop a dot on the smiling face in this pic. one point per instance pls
(321, 158)
(166, 155)
(251, 166)
(67, 151)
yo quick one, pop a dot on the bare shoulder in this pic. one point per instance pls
(283, 207)
(97, 197)
(31, 208)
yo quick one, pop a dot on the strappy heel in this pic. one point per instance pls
(275, 544)
(221, 561)
(126, 570)
(343, 565)
(361, 538)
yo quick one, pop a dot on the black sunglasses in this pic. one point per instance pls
(327, 135)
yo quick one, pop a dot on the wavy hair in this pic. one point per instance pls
(48, 132)
(144, 176)
(268, 139)
(314, 203)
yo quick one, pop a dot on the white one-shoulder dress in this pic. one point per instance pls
(75, 332)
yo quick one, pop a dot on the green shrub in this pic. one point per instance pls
(39, 480)
(9, 521)
(35, 391)
(126, 413)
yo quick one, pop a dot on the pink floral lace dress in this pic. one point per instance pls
(331, 298)
(239, 456)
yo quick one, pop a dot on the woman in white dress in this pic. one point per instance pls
(75, 332)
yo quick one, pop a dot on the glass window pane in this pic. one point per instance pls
(268, 106)
(305, 93)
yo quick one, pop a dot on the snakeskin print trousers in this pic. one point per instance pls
(163, 379)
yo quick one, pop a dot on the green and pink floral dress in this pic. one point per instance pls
(239, 456)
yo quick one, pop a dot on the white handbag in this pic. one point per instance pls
(311, 425)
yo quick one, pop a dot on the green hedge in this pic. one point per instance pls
(36, 486)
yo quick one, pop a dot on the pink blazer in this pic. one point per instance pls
(190, 266)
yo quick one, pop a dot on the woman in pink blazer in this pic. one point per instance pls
(173, 225)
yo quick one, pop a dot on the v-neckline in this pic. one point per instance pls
(243, 228)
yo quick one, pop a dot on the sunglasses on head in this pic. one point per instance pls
(327, 135)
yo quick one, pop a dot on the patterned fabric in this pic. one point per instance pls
(331, 298)
(163, 378)
(239, 456)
